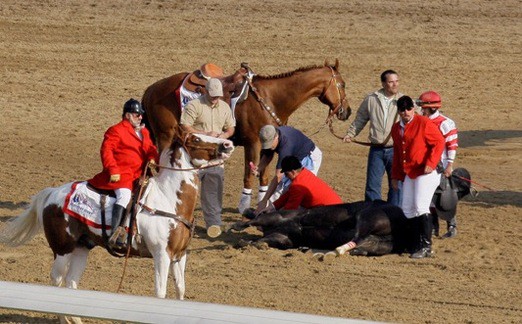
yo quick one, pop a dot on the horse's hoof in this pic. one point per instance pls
(318, 256)
(329, 256)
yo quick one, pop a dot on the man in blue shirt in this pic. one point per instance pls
(285, 141)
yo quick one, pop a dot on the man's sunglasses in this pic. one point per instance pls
(402, 109)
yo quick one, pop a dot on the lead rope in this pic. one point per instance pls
(131, 228)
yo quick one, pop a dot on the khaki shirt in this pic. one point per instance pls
(199, 114)
(381, 114)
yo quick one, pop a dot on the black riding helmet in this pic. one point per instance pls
(133, 106)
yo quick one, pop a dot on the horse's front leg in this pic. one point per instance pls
(251, 154)
(178, 269)
(161, 271)
(263, 178)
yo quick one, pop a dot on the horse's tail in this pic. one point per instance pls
(23, 228)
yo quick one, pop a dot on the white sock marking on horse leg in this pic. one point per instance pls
(345, 247)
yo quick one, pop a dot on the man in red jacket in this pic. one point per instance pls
(125, 150)
(417, 148)
(306, 189)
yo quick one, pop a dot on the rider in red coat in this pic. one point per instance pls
(125, 150)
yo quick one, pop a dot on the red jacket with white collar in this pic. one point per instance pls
(420, 146)
(307, 191)
(123, 153)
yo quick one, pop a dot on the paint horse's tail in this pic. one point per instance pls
(21, 229)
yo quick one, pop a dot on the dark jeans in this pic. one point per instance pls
(380, 161)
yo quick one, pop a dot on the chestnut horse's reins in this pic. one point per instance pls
(330, 126)
(336, 109)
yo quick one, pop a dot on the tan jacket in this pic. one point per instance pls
(199, 114)
(372, 109)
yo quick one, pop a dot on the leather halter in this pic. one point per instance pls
(338, 109)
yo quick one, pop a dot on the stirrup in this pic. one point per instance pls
(119, 237)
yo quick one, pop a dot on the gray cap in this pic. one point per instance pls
(214, 88)
(267, 135)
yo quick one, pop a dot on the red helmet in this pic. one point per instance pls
(430, 99)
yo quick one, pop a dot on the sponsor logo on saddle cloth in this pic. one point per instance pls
(85, 205)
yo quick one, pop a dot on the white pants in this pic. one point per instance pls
(417, 194)
(123, 196)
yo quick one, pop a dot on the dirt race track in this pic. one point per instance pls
(68, 66)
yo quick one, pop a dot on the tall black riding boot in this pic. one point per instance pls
(415, 242)
(436, 227)
(117, 215)
(425, 229)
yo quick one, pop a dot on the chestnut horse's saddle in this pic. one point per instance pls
(235, 86)
(196, 80)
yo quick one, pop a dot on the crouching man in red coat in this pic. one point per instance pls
(125, 150)
(305, 191)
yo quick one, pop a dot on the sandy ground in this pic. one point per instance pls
(68, 66)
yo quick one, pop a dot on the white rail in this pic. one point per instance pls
(110, 306)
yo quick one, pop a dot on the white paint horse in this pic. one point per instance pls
(164, 221)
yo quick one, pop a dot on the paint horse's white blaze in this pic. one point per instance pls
(172, 191)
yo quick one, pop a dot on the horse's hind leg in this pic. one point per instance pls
(76, 267)
(59, 269)
(68, 269)
(178, 270)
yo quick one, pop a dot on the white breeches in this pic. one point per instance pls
(417, 194)
(123, 196)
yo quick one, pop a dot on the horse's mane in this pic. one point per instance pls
(288, 74)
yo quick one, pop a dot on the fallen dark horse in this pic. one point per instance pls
(375, 228)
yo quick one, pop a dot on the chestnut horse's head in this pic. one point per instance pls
(203, 149)
(334, 94)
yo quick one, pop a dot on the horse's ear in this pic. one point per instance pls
(326, 62)
(336, 64)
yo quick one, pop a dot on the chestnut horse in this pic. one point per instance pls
(164, 221)
(271, 100)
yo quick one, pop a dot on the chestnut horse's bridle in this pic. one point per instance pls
(338, 86)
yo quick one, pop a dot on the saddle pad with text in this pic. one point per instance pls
(85, 205)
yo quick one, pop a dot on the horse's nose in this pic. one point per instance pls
(344, 113)
(226, 147)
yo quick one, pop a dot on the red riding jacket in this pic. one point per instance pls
(124, 153)
(421, 145)
(307, 191)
